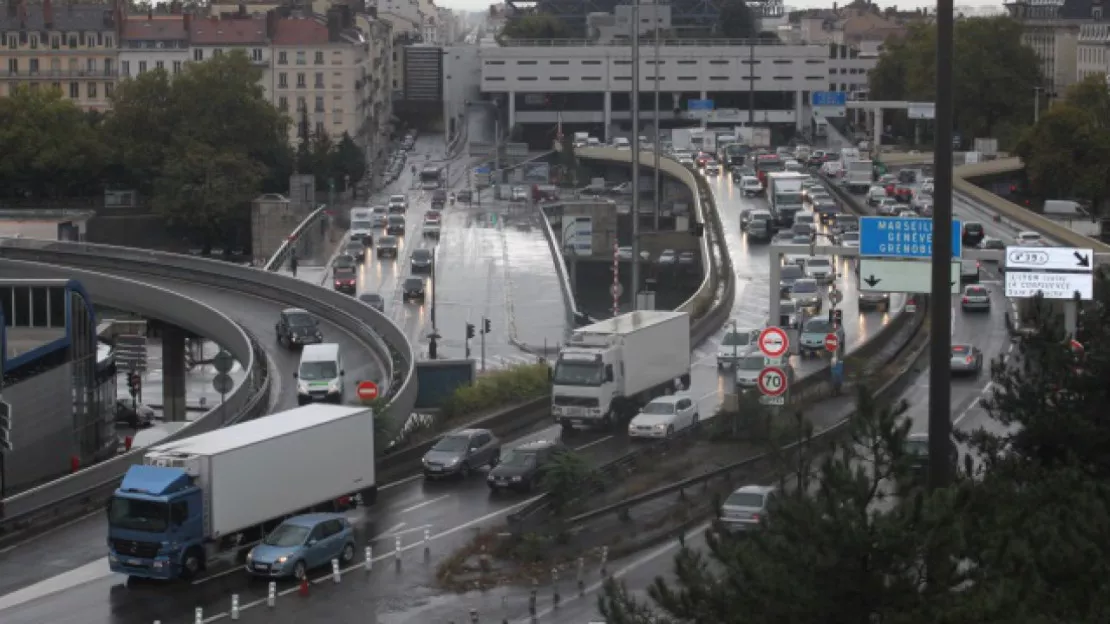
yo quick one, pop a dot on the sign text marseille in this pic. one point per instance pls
(902, 237)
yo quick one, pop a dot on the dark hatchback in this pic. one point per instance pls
(522, 468)
(413, 289)
(973, 233)
(296, 327)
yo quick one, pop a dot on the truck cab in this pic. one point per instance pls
(156, 524)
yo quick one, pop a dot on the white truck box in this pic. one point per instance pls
(857, 174)
(266, 468)
(988, 148)
(655, 345)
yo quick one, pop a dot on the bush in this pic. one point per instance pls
(499, 388)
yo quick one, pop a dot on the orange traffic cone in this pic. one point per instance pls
(303, 589)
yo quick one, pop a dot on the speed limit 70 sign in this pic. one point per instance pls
(772, 381)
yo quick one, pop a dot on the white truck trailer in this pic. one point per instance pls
(214, 495)
(784, 193)
(610, 369)
(857, 175)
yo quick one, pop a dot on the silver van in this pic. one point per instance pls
(320, 374)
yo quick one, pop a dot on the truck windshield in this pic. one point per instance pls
(314, 371)
(788, 199)
(138, 515)
(361, 225)
(578, 373)
(286, 535)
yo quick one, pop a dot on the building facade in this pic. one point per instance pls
(154, 42)
(71, 47)
(1052, 29)
(213, 36)
(590, 84)
(1093, 51)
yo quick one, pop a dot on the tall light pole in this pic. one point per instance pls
(655, 141)
(1037, 103)
(635, 152)
(940, 391)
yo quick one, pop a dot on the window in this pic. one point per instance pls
(718, 62)
(487, 62)
(108, 41)
(177, 67)
(591, 78)
(283, 103)
(652, 62)
(198, 54)
(318, 58)
(622, 77)
(12, 42)
(300, 58)
(488, 79)
(687, 62)
(108, 67)
(559, 78)
(300, 80)
(301, 104)
(687, 78)
(13, 66)
(34, 42)
(34, 66)
(90, 65)
(142, 67)
(320, 128)
(109, 89)
(783, 61)
(319, 84)
(74, 90)
(591, 62)
(55, 42)
(217, 52)
(256, 54)
(527, 78)
(558, 62)
(525, 62)
(718, 77)
(91, 88)
(283, 58)
(319, 104)
(283, 80)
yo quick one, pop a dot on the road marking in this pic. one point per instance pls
(91, 571)
(392, 533)
(423, 504)
(589, 444)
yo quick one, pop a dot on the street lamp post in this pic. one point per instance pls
(635, 151)
(655, 143)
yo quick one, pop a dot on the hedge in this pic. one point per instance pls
(499, 388)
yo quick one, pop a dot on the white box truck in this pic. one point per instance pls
(857, 175)
(212, 496)
(784, 193)
(607, 371)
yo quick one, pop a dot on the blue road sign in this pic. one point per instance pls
(902, 237)
(702, 105)
(481, 170)
(829, 98)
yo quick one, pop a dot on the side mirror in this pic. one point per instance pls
(295, 376)
(609, 375)
(311, 542)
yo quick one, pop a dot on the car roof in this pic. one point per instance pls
(422, 251)
(386, 239)
(754, 489)
(963, 346)
(469, 432)
(413, 278)
(670, 399)
(312, 519)
(537, 445)
(295, 311)
(971, 287)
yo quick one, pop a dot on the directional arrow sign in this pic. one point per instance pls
(907, 276)
(1049, 259)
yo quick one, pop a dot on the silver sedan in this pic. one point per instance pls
(976, 298)
(966, 360)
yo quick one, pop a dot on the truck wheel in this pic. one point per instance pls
(192, 564)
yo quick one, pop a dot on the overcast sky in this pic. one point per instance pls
(483, 5)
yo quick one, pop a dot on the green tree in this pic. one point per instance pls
(985, 92)
(1065, 152)
(204, 187)
(567, 478)
(48, 146)
(736, 20)
(141, 128)
(350, 160)
(535, 27)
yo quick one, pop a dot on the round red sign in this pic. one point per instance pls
(367, 390)
(832, 343)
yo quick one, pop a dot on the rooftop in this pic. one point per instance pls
(300, 31)
(158, 27)
(238, 31)
(65, 16)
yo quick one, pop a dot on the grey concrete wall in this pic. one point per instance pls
(42, 427)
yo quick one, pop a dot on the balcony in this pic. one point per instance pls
(56, 74)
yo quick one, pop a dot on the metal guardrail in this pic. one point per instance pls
(57, 499)
(280, 259)
(375, 330)
(570, 304)
(507, 42)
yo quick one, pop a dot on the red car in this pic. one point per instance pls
(903, 194)
(702, 159)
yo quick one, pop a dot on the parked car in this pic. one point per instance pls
(664, 416)
(456, 454)
(302, 543)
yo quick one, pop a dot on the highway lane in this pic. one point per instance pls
(83, 542)
(492, 262)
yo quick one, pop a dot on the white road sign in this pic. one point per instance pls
(773, 342)
(1069, 259)
(1026, 284)
(906, 276)
(772, 400)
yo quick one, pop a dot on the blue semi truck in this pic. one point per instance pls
(206, 500)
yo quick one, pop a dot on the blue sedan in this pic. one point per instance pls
(302, 543)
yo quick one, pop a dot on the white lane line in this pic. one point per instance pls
(394, 534)
(390, 530)
(424, 504)
(595, 442)
(91, 571)
(974, 403)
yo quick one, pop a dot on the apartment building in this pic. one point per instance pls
(1052, 29)
(212, 36)
(151, 41)
(320, 72)
(71, 47)
(1093, 51)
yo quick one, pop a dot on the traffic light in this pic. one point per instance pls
(485, 326)
(836, 317)
(469, 331)
(134, 384)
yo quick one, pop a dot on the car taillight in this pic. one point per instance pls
(965, 299)
(756, 517)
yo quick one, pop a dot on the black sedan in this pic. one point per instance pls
(296, 327)
(413, 289)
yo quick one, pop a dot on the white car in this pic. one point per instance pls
(712, 168)
(432, 222)
(622, 143)
(685, 160)
(735, 345)
(875, 195)
(519, 194)
(664, 416)
(927, 186)
(751, 185)
(669, 256)
(624, 252)
(748, 368)
(850, 240)
(820, 268)
(794, 258)
(1030, 239)
(398, 204)
(379, 216)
